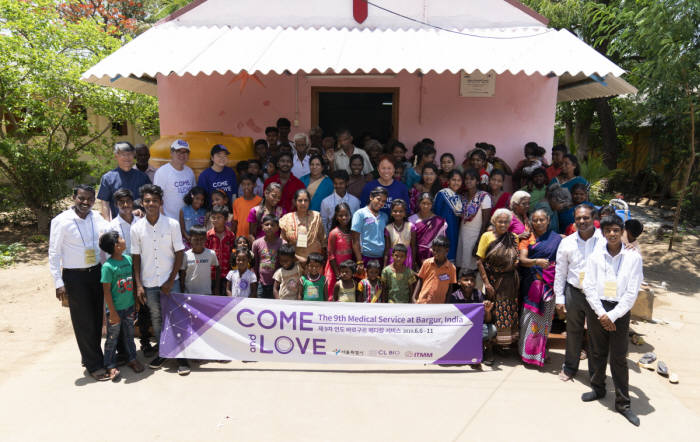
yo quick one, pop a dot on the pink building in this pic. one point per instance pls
(454, 71)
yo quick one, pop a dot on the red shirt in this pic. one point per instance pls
(288, 190)
(553, 172)
(222, 248)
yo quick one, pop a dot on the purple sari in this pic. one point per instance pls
(426, 231)
(536, 289)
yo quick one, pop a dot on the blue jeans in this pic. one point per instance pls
(124, 330)
(153, 302)
(488, 332)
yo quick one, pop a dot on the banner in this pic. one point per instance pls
(250, 329)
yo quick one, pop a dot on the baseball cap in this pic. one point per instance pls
(219, 148)
(180, 144)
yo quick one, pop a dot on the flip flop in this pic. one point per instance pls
(100, 375)
(646, 361)
(662, 369)
(673, 378)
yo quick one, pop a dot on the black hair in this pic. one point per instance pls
(316, 157)
(196, 190)
(611, 220)
(379, 190)
(283, 154)
(108, 240)
(421, 150)
(464, 273)
(299, 192)
(428, 141)
(454, 172)
(338, 208)
(122, 193)
(255, 161)
(270, 129)
(472, 173)
(447, 155)
(497, 172)
(574, 160)
(532, 148)
(247, 176)
(341, 175)
(398, 202)
(348, 264)
(85, 187)
(560, 148)
(220, 210)
(261, 142)
(401, 248)
(283, 122)
(436, 187)
(398, 165)
(441, 241)
(538, 171)
(241, 166)
(356, 156)
(245, 238)
(271, 218)
(287, 250)
(634, 227)
(373, 264)
(480, 152)
(316, 257)
(490, 147)
(398, 144)
(198, 230)
(240, 250)
(151, 189)
(605, 211)
(579, 186)
(341, 131)
(223, 194)
(270, 187)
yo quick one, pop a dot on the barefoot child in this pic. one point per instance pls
(370, 288)
(198, 265)
(397, 279)
(240, 280)
(221, 240)
(265, 253)
(118, 287)
(287, 285)
(437, 275)
(313, 284)
(468, 294)
(345, 289)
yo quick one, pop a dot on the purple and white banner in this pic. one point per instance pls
(219, 328)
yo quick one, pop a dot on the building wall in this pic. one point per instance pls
(522, 110)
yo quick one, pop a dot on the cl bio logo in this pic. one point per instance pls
(336, 351)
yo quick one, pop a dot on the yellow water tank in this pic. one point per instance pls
(241, 149)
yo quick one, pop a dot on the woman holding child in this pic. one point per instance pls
(303, 228)
(538, 255)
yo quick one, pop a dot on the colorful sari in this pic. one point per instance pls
(448, 206)
(339, 250)
(517, 226)
(426, 231)
(318, 190)
(503, 201)
(536, 289)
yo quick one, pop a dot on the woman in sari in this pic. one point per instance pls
(520, 206)
(498, 261)
(448, 206)
(476, 212)
(303, 228)
(537, 265)
(318, 184)
(427, 226)
(569, 175)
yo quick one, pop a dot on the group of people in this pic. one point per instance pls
(293, 224)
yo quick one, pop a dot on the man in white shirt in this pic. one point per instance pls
(347, 150)
(329, 203)
(157, 250)
(300, 161)
(572, 254)
(74, 261)
(611, 284)
(175, 179)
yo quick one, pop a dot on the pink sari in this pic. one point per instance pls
(426, 231)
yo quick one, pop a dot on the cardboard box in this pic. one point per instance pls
(644, 306)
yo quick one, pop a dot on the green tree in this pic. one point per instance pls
(44, 133)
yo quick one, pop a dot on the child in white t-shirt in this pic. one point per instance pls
(240, 280)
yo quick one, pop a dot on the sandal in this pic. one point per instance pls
(136, 366)
(583, 356)
(100, 375)
(113, 374)
(673, 378)
(646, 361)
(662, 369)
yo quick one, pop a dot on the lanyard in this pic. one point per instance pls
(92, 236)
(297, 221)
(619, 264)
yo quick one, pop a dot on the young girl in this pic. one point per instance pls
(339, 245)
(370, 288)
(268, 206)
(499, 198)
(193, 212)
(447, 163)
(427, 226)
(345, 289)
(425, 154)
(240, 280)
(399, 231)
(477, 160)
(429, 182)
(219, 198)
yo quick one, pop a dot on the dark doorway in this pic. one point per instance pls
(362, 110)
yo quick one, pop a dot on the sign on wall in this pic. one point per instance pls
(477, 84)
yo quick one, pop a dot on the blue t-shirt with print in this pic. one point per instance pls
(225, 180)
(371, 230)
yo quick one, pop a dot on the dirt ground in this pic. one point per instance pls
(33, 324)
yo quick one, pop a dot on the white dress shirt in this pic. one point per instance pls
(622, 272)
(156, 245)
(571, 261)
(342, 160)
(70, 237)
(123, 228)
(300, 167)
(331, 201)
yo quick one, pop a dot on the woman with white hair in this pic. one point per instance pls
(498, 261)
(520, 206)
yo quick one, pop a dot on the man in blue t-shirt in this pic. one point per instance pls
(123, 176)
(219, 175)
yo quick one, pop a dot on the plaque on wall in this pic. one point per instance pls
(477, 84)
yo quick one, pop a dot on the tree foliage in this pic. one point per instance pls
(45, 135)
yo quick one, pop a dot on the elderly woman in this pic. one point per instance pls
(538, 254)
(303, 228)
(557, 199)
(520, 206)
(318, 184)
(498, 260)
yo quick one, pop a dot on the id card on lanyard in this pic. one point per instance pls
(610, 286)
(89, 250)
(302, 234)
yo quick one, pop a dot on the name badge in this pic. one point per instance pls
(444, 277)
(370, 221)
(610, 289)
(302, 239)
(581, 275)
(90, 258)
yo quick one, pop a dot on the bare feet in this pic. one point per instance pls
(113, 373)
(564, 377)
